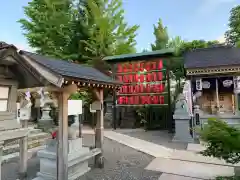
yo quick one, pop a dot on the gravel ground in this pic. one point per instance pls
(158, 137)
(121, 163)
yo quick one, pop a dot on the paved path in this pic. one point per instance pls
(175, 164)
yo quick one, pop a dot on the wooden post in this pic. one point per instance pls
(170, 115)
(62, 153)
(62, 137)
(217, 96)
(99, 132)
(114, 99)
(23, 145)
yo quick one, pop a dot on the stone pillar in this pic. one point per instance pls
(182, 119)
(23, 144)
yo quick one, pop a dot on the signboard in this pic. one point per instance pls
(143, 83)
(74, 107)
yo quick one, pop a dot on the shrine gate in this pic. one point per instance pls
(146, 83)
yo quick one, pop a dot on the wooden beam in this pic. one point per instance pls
(35, 89)
(99, 131)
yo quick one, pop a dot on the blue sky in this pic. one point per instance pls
(198, 19)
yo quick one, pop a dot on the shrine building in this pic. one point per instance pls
(214, 76)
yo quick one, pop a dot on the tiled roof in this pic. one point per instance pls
(212, 57)
(69, 69)
(126, 57)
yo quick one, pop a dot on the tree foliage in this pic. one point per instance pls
(233, 34)
(222, 141)
(49, 27)
(110, 33)
(161, 36)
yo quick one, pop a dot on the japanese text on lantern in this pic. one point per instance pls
(142, 83)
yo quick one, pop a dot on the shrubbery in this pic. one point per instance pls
(222, 141)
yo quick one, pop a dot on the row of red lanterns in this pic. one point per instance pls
(149, 77)
(141, 88)
(139, 66)
(138, 100)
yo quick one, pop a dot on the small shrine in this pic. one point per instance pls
(146, 82)
(213, 75)
(35, 78)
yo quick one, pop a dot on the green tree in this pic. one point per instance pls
(161, 36)
(109, 33)
(49, 28)
(233, 34)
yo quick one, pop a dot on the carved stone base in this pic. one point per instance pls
(77, 164)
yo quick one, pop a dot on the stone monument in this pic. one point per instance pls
(77, 154)
(77, 161)
(182, 118)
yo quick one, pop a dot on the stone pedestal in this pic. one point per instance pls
(77, 163)
(182, 117)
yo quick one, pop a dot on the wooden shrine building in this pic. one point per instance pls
(214, 74)
(145, 78)
(28, 72)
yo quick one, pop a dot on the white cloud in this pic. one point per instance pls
(211, 5)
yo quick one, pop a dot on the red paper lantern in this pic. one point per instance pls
(149, 77)
(119, 68)
(154, 76)
(120, 100)
(160, 76)
(155, 99)
(160, 65)
(141, 88)
(130, 78)
(131, 89)
(136, 67)
(130, 67)
(154, 88)
(131, 100)
(136, 78)
(148, 88)
(148, 66)
(126, 100)
(136, 89)
(136, 99)
(154, 65)
(120, 78)
(142, 99)
(124, 68)
(161, 99)
(125, 90)
(161, 87)
(141, 78)
(125, 80)
(141, 66)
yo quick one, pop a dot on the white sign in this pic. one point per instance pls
(96, 105)
(199, 84)
(206, 85)
(227, 83)
(74, 107)
(92, 110)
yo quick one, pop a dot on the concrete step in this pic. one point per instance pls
(189, 169)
